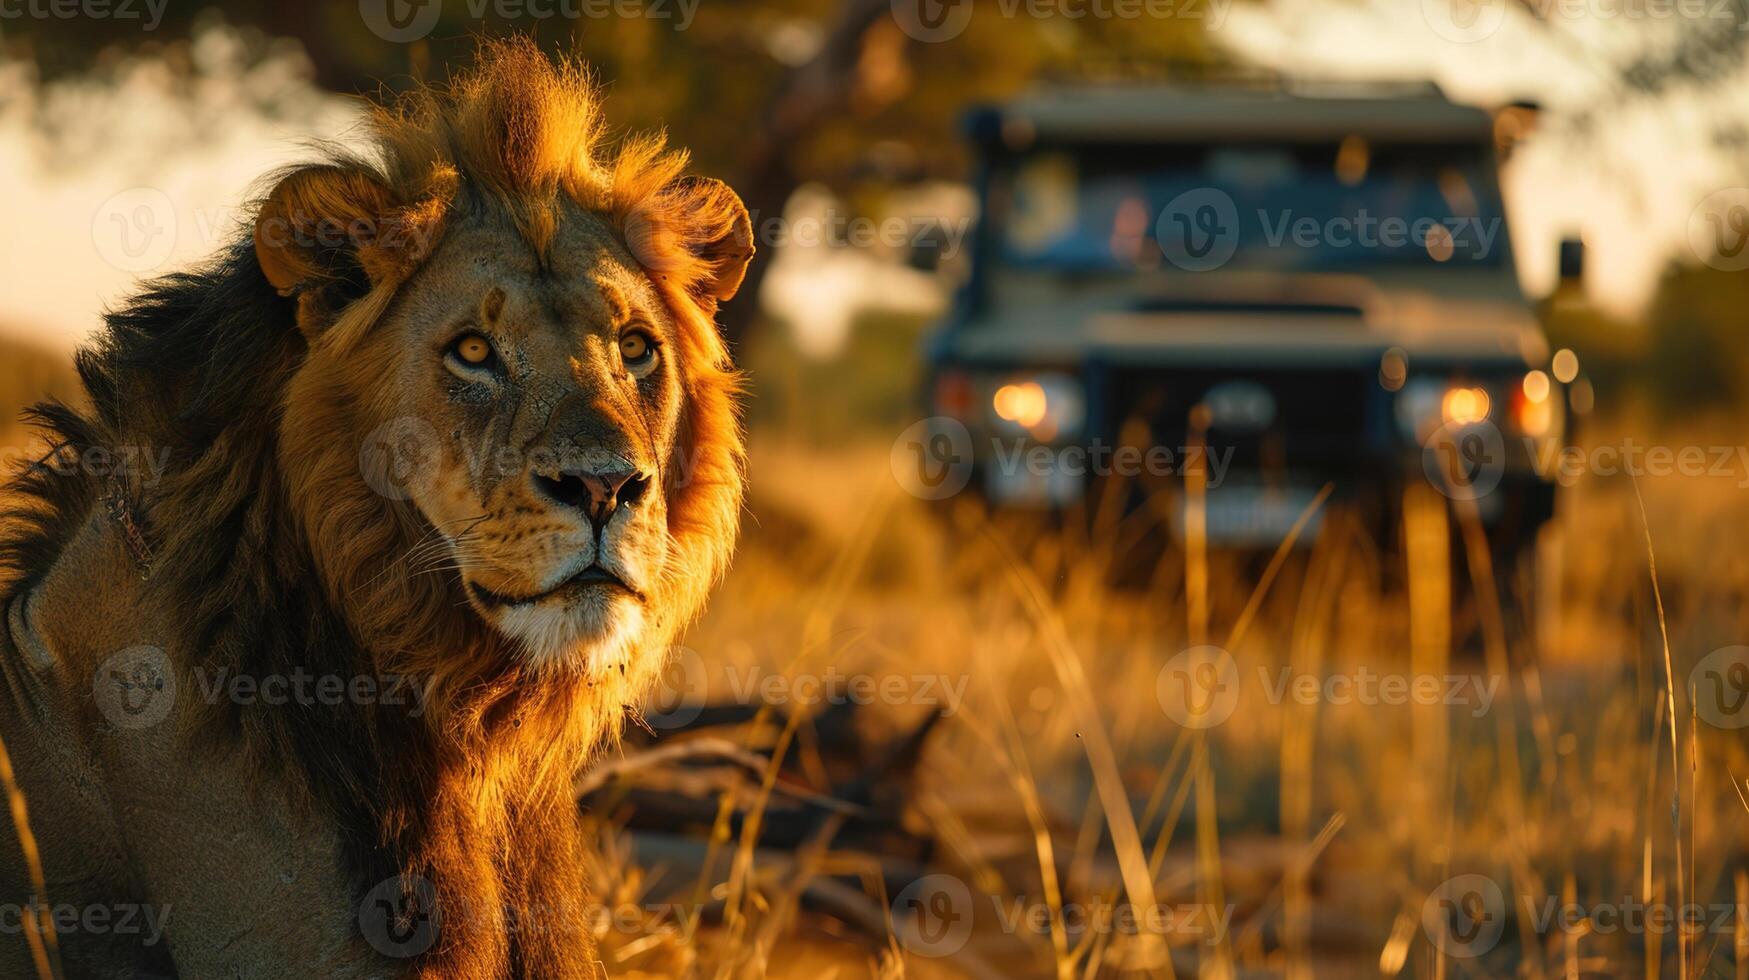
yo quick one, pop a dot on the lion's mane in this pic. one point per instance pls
(278, 557)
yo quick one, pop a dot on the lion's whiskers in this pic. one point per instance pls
(428, 545)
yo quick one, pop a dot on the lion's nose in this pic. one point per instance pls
(597, 493)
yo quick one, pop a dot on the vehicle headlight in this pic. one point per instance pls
(1464, 405)
(1043, 406)
(1537, 410)
(1426, 404)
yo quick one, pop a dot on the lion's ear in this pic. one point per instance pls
(697, 227)
(703, 219)
(718, 231)
(325, 223)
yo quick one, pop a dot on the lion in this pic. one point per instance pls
(374, 533)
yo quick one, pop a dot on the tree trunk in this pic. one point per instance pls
(809, 96)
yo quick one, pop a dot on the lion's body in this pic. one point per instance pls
(155, 848)
(375, 699)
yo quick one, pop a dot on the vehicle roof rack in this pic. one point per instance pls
(1281, 108)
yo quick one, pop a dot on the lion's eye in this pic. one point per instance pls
(472, 350)
(638, 351)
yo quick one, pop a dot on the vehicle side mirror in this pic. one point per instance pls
(1513, 124)
(928, 248)
(1572, 262)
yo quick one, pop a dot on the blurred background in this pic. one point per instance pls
(1049, 728)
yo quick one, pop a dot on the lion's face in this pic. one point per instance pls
(532, 320)
(554, 396)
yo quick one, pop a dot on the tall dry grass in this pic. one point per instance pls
(1322, 827)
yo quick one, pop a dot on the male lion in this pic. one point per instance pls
(375, 531)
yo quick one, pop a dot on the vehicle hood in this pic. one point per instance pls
(1260, 319)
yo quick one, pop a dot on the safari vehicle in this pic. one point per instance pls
(1318, 287)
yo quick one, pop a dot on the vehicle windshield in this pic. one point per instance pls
(1338, 205)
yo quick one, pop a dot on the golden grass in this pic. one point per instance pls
(1323, 827)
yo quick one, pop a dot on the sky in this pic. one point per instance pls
(1641, 191)
(136, 173)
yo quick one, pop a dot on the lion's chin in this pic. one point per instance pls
(594, 633)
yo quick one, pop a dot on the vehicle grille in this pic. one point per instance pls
(1322, 416)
